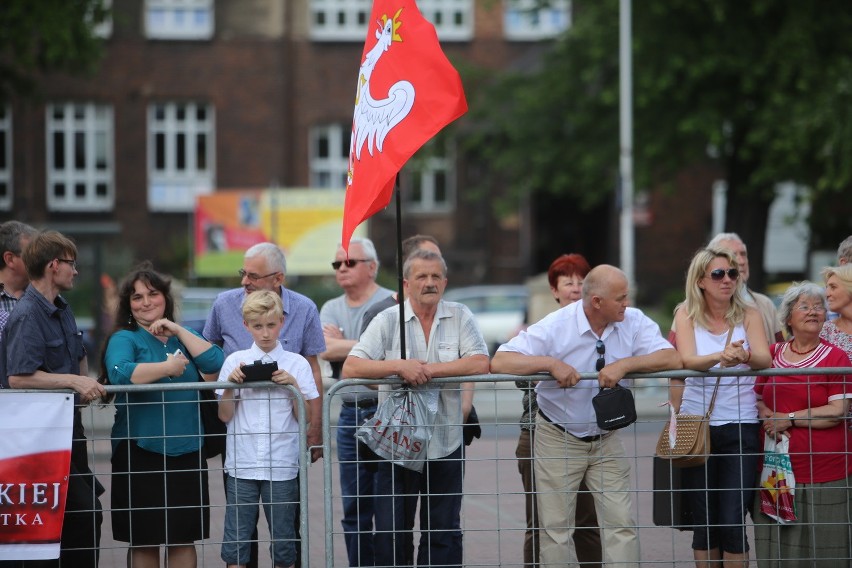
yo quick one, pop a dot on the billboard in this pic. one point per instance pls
(306, 223)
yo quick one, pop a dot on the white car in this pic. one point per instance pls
(499, 309)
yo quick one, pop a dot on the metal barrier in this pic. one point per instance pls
(98, 420)
(493, 520)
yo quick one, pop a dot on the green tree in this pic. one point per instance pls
(761, 88)
(44, 36)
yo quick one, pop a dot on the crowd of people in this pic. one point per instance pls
(575, 475)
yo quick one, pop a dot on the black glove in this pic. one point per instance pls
(471, 428)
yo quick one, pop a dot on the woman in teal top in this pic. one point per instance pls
(157, 458)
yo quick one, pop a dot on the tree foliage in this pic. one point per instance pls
(761, 88)
(44, 36)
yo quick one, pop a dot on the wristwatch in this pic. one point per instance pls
(792, 417)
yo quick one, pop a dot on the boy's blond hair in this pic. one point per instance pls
(261, 304)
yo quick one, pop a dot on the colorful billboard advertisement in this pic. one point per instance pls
(306, 223)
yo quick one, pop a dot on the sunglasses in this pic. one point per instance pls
(718, 274)
(601, 349)
(350, 263)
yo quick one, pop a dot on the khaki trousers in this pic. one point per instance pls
(562, 461)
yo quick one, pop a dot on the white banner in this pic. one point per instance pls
(35, 458)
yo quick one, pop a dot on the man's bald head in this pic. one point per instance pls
(601, 279)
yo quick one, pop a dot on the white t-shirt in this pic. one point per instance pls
(263, 435)
(736, 400)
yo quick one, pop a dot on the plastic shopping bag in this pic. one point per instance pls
(401, 428)
(777, 482)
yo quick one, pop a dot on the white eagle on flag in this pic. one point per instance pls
(375, 118)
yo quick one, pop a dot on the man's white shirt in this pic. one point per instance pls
(567, 335)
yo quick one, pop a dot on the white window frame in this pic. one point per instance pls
(103, 30)
(522, 21)
(324, 170)
(425, 166)
(338, 20)
(95, 123)
(6, 172)
(179, 19)
(172, 188)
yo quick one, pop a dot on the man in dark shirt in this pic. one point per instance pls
(43, 350)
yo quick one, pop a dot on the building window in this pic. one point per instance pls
(181, 142)
(79, 157)
(103, 29)
(339, 19)
(5, 158)
(179, 19)
(453, 19)
(430, 178)
(524, 20)
(329, 151)
(347, 20)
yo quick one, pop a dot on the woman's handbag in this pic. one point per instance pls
(214, 429)
(685, 439)
(690, 445)
(777, 482)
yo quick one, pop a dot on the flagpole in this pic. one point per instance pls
(400, 294)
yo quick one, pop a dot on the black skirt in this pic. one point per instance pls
(158, 499)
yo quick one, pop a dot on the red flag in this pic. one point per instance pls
(407, 92)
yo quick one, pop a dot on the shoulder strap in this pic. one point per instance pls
(716, 388)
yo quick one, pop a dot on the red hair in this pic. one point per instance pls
(567, 265)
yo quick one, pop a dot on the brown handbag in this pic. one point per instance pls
(692, 435)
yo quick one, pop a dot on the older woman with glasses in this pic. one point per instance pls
(808, 409)
(716, 329)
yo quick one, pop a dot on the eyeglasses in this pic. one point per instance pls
(72, 262)
(601, 349)
(255, 277)
(349, 263)
(804, 308)
(718, 274)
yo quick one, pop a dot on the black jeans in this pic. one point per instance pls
(722, 490)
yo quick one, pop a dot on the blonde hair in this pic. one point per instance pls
(843, 273)
(262, 303)
(695, 304)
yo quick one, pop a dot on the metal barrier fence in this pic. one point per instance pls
(98, 421)
(492, 520)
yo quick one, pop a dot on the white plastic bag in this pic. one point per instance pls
(777, 482)
(401, 428)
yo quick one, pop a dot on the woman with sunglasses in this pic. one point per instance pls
(716, 329)
(809, 410)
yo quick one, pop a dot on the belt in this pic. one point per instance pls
(360, 403)
(587, 439)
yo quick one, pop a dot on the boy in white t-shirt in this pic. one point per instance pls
(262, 452)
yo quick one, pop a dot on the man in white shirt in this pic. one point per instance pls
(600, 333)
(443, 340)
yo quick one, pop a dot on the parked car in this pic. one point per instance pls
(499, 309)
(195, 304)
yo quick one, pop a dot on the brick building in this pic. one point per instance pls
(198, 95)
